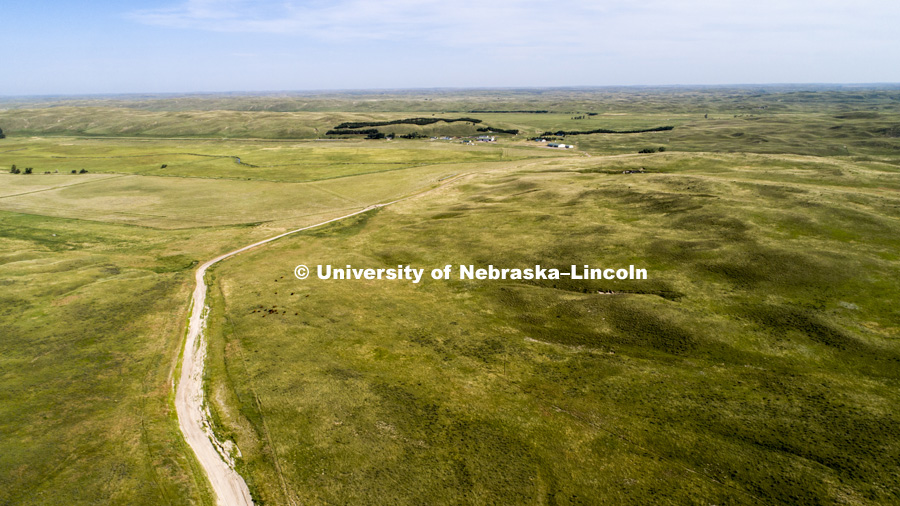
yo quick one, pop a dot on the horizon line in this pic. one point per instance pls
(340, 91)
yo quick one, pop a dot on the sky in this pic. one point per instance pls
(183, 46)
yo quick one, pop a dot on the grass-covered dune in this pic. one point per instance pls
(95, 275)
(817, 122)
(757, 364)
(645, 99)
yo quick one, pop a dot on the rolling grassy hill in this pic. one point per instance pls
(757, 364)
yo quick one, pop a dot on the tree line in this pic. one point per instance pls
(607, 131)
(406, 121)
(510, 112)
(512, 131)
(367, 131)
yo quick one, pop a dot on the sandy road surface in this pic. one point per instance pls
(230, 489)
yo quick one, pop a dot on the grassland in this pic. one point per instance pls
(822, 123)
(637, 100)
(90, 323)
(245, 160)
(96, 270)
(757, 365)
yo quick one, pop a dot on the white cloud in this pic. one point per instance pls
(594, 27)
(502, 22)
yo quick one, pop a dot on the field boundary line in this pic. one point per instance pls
(64, 186)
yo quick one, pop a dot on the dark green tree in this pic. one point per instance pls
(28, 170)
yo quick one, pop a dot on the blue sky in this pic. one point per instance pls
(56, 47)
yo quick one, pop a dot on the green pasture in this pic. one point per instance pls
(91, 319)
(96, 271)
(246, 160)
(758, 364)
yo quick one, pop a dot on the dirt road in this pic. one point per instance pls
(214, 455)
